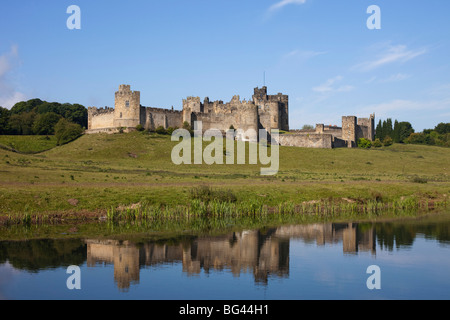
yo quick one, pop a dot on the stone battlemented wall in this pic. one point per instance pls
(313, 140)
(264, 111)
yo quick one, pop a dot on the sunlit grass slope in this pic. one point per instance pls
(100, 171)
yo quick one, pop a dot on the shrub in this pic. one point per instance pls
(207, 194)
(66, 131)
(161, 130)
(139, 127)
(387, 141)
(364, 143)
(170, 130)
(377, 143)
(419, 180)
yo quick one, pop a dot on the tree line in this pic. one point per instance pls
(403, 132)
(38, 117)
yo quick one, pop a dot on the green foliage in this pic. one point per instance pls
(439, 136)
(170, 130)
(5, 114)
(402, 131)
(377, 143)
(387, 141)
(161, 130)
(307, 127)
(364, 143)
(442, 128)
(22, 123)
(139, 127)
(187, 126)
(66, 131)
(44, 124)
(207, 194)
(23, 114)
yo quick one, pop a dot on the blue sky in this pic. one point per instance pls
(319, 52)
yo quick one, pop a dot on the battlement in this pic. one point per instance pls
(125, 90)
(161, 110)
(93, 111)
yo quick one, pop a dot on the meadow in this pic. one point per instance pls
(99, 174)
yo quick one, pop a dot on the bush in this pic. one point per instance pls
(377, 143)
(207, 194)
(364, 143)
(387, 141)
(161, 130)
(170, 130)
(139, 127)
(66, 131)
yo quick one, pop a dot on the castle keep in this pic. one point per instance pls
(269, 112)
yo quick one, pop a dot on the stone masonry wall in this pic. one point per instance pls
(153, 118)
(100, 118)
(314, 140)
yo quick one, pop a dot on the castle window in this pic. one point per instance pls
(121, 114)
(127, 103)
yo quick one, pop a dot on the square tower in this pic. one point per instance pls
(349, 125)
(127, 107)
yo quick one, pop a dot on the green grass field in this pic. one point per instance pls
(97, 172)
(27, 144)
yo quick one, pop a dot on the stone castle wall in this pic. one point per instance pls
(313, 140)
(152, 118)
(100, 118)
(264, 111)
(242, 115)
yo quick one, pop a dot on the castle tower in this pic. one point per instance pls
(272, 109)
(127, 107)
(349, 125)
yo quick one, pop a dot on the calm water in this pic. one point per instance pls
(316, 261)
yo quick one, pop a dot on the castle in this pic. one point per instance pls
(269, 112)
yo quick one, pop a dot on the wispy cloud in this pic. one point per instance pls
(331, 86)
(391, 54)
(284, 3)
(418, 107)
(8, 95)
(302, 54)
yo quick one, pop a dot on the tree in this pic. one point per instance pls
(4, 120)
(22, 123)
(395, 133)
(405, 129)
(379, 130)
(307, 127)
(442, 128)
(66, 131)
(44, 124)
(26, 106)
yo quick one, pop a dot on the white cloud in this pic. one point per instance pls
(284, 3)
(302, 54)
(329, 86)
(389, 108)
(8, 94)
(391, 54)
(396, 77)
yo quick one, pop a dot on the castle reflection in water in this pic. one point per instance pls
(263, 253)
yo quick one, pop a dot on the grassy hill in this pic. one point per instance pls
(97, 172)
